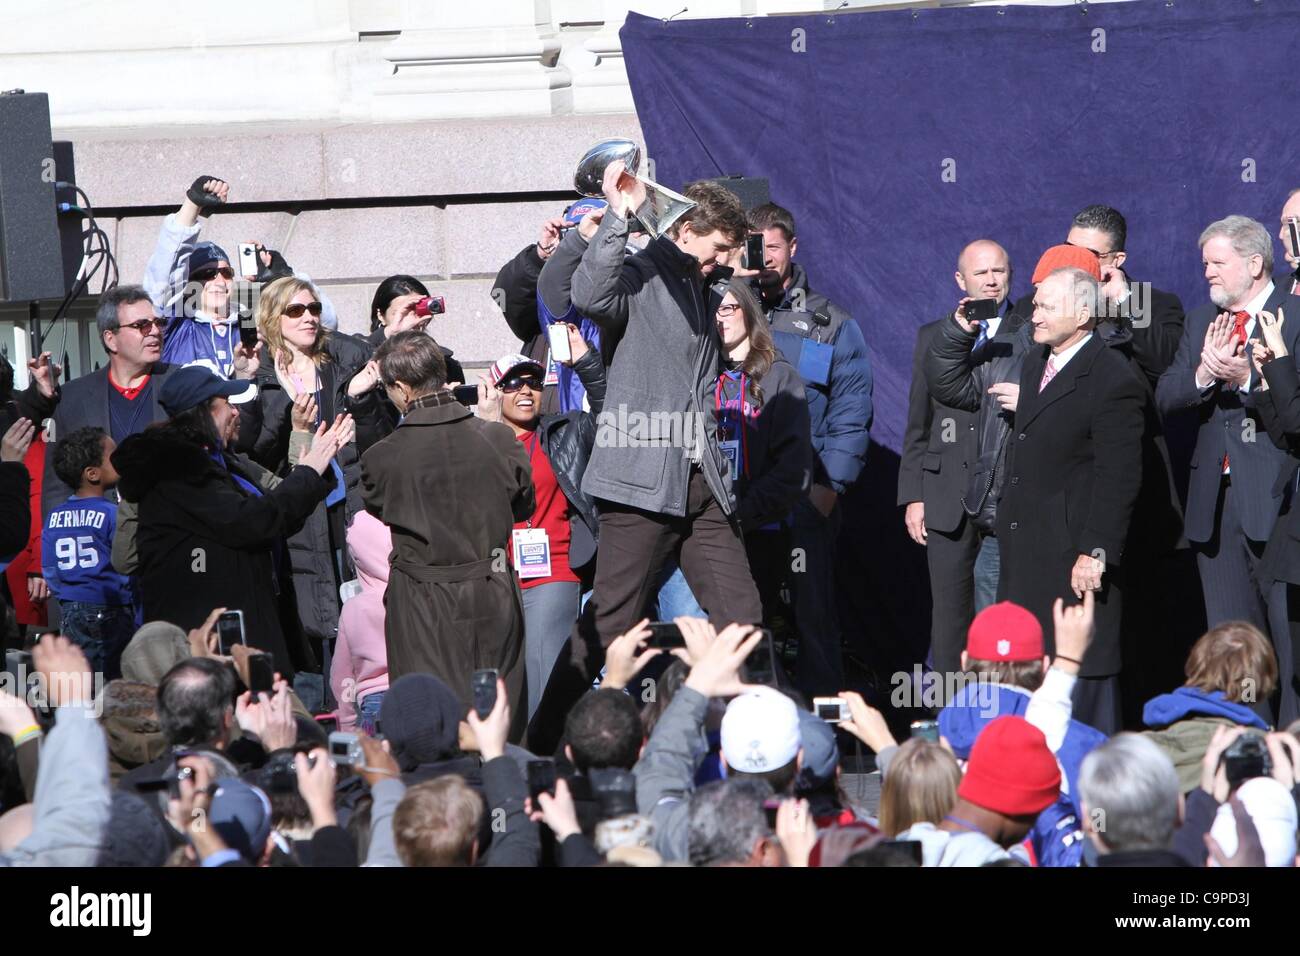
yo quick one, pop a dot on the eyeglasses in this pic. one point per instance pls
(728, 308)
(296, 310)
(1101, 256)
(516, 382)
(143, 326)
(206, 275)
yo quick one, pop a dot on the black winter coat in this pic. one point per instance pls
(949, 365)
(312, 545)
(567, 440)
(205, 542)
(1073, 473)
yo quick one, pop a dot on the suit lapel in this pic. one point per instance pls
(1062, 384)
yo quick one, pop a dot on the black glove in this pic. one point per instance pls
(206, 201)
(278, 269)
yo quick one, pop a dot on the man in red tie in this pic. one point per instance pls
(1234, 492)
(1072, 472)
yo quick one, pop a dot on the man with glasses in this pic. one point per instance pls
(1153, 317)
(192, 284)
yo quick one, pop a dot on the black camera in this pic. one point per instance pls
(1246, 758)
(615, 791)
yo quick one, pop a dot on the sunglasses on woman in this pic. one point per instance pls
(296, 310)
(516, 382)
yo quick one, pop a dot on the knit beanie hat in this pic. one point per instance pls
(1011, 770)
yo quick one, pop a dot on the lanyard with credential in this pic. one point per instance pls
(740, 427)
(531, 443)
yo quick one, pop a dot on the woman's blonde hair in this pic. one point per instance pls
(275, 298)
(921, 786)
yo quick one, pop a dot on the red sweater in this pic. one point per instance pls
(551, 514)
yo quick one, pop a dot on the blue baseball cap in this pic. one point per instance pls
(194, 384)
(241, 815)
(206, 255)
(573, 215)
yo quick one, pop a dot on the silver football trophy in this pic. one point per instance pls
(662, 206)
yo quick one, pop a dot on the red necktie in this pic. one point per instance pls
(1239, 320)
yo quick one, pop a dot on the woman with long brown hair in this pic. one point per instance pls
(765, 436)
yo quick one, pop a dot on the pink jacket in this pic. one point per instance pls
(360, 665)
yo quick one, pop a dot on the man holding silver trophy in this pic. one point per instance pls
(662, 483)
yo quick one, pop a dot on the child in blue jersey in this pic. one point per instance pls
(96, 603)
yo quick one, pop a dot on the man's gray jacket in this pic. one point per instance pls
(658, 412)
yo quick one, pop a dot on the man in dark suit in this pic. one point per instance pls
(122, 397)
(1290, 281)
(1233, 496)
(1072, 474)
(939, 446)
(1154, 317)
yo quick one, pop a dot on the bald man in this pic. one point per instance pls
(941, 451)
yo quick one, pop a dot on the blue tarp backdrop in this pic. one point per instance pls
(897, 137)
(1176, 113)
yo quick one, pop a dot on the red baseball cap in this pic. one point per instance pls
(1004, 632)
(1011, 770)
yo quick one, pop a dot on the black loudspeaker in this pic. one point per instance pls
(72, 224)
(31, 260)
(750, 190)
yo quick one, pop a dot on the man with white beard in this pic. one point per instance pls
(1233, 495)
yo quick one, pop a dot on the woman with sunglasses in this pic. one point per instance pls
(393, 310)
(303, 379)
(765, 435)
(553, 549)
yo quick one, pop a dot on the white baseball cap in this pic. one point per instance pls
(760, 731)
(1273, 812)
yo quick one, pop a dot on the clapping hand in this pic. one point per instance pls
(327, 442)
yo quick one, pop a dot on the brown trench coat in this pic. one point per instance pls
(450, 487)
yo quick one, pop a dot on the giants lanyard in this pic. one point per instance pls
(720, 405)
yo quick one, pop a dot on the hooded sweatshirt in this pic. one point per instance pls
(360, 654)
(1057, 838)
(1184, 722)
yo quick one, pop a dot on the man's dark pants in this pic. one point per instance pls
(819, 668)
(634, 545)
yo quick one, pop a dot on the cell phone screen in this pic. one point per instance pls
(541, 778)
(467, 395)
(911, 847)
(1293, 227)
(248, 332)
(483, 689)
(230, 631)
(754, 252)
(261, 675)
(760, 666)
(665, 634)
